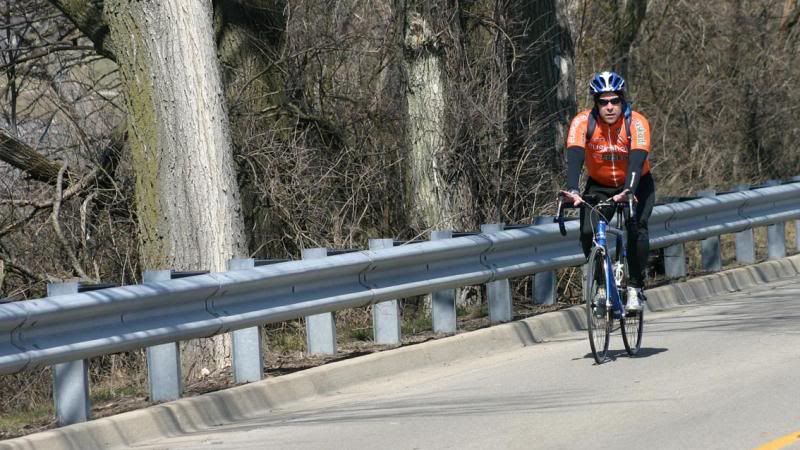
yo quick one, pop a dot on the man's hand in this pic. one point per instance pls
(574, 197)
(621, 197)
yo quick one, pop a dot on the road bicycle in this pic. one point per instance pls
(606, 277)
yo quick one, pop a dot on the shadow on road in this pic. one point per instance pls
(644, 352)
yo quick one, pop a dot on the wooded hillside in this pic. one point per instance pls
(179, 133)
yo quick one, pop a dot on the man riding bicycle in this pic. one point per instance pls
(613, 142)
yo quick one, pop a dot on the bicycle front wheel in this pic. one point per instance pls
(632, 329)
(595, 296)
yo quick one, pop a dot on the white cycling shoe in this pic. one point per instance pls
(635, 298)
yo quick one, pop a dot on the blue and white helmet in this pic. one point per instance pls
(606, 82)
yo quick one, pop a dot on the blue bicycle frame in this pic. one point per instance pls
(598, 304)
(600, 237)
(611, 284)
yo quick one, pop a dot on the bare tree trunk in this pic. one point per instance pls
(425, 99)
(628, 19)
(187, 196)
(431, 196)
(249, 34)
(542, 86)
(250, 37)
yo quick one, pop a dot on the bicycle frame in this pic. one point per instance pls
(601, 231)
(603, 308)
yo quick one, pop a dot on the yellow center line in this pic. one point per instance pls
(781, 442)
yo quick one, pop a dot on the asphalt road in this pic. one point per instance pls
(724, 374)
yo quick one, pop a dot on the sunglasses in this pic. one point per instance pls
(605, 101)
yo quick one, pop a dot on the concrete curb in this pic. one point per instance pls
(733, 280)
(198, 413)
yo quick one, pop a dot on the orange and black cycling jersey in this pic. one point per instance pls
(608, 149)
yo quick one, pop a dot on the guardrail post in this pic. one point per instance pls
(71, 379)
(247, 347)
(320, 328)
(745, 243)
(776, 234)
(797, 235)
(796, 222)
(710, 247)
(498, 292)
(163, 360)
(385, 315)
(443, 303)
(544, 283)
(675, 261)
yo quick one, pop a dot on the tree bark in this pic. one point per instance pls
(425, 99)
(250, 36)
(629, 17)
(23, 157)
(187, 197)
(89, 17)
(542, 84)
(435, 194)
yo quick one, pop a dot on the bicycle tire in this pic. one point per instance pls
(599, 321)
(632, 323)
(632, 326)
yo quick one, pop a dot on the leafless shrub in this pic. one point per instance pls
(717, 81)
(60, 103)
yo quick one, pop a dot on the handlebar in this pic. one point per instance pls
(591, 200)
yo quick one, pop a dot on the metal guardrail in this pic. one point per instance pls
(65, 328)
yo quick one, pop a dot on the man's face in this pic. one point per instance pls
(610, 106)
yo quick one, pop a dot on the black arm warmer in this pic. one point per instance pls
(575, 157)
(636, 160)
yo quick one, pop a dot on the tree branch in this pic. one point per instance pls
(23, 157)
(88, 16)
(57, 227)
(628, 26)
(13, 266)
(791, 15)
(41, 53)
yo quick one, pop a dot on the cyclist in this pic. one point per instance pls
(615, 155)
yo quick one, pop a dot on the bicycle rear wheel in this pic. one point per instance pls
(595, 296)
